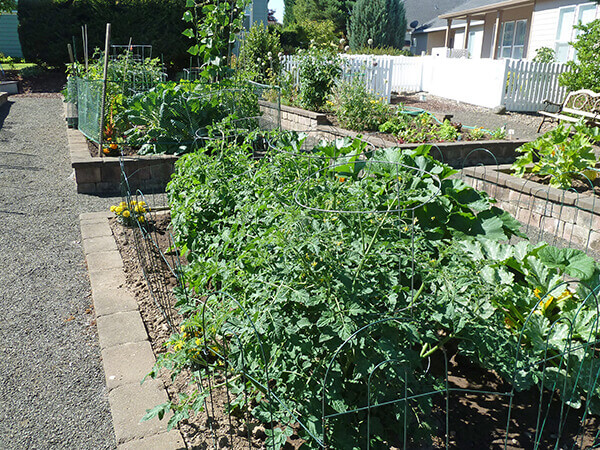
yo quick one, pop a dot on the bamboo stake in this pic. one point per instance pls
(104, 81)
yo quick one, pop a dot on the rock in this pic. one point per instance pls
(501, 109)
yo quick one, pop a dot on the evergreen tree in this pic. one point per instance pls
(383, 21)
(337, 11)
(288, 13)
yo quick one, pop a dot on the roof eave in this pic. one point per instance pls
(482, 10)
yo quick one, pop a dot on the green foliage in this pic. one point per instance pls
(392, 51)
(356, 108)
(288, 12)
(7, 5)
(46, 27)
(584, 73)
(563, 153)
(319, 70)
(259, 54)
(215, 25)
(545, 55)
(174, 117)
(306, 281)
(426, 128)
(333, 11)
(383, 21)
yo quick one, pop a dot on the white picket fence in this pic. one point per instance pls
(520, 86)
(376, 71)
(528, 84)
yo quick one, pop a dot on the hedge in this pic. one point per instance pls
(47, 26)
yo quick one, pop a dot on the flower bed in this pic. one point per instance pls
(452, 153)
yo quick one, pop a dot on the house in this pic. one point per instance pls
(422, 18)
(511, 28)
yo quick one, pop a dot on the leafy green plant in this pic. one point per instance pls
(174, 117)
(447, 131)
(563, 153)
(545, 55)
(318, 72)
(356, 108)
(259, 54)
(476, 134)
(584, 72)
(214, 31)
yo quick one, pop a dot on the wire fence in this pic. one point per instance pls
(403, 404)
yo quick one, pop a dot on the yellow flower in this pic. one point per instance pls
(126, 213)
(118, 209)
(537, 292)
(122, 204)
(112, 208)
(141, 218)
(198, 341)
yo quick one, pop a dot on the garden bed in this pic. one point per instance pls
(485, 412)
(455, 154)
(102, 176)
(569, 215)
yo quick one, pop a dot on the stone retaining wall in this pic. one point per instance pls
(568, 215)
(102, 176)
(457, 154)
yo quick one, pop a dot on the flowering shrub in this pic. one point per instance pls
(130, 213)
(358, 109)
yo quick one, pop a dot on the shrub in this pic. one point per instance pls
(585, 72)
(259, 53)
(319, 69)
(392, 51)
(47, 26)
(545, 55)
(358, 109)
(383, 21)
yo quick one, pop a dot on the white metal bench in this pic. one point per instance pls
(582, 104)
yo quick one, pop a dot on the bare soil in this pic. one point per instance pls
(46, 85)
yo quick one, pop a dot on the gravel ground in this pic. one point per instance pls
(524, 125)
(52, 389)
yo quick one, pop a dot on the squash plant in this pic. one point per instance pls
(292, 255)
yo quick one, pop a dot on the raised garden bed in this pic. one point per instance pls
(569, 215)
(102, 176)
(452, 153)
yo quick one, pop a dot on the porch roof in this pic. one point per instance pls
(477, 9)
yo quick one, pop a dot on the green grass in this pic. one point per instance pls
(17, 66)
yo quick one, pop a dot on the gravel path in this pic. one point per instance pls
(52, 389)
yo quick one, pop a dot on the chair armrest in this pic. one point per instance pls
(548, 103)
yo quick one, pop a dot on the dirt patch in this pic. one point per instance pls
(122, 150)
(45, 85)
(477, 420)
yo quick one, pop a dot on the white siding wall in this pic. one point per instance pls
(545, 23)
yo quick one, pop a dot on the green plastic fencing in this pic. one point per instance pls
(89, 101)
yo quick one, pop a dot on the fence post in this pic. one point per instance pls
(503, 82)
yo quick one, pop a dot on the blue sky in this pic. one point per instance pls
(277, 5)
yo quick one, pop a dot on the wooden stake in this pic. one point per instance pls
(104, 82)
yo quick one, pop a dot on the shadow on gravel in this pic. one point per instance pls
(4, 110)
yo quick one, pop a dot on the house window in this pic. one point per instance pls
(565, 33)
(512, 39)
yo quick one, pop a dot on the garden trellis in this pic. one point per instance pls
(398, 386)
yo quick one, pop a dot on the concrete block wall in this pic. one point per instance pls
(568, 215)
(102, 176)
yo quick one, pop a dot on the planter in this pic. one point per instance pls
(102, 176)
(10, 87)
(457, 154)
(571, 216)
